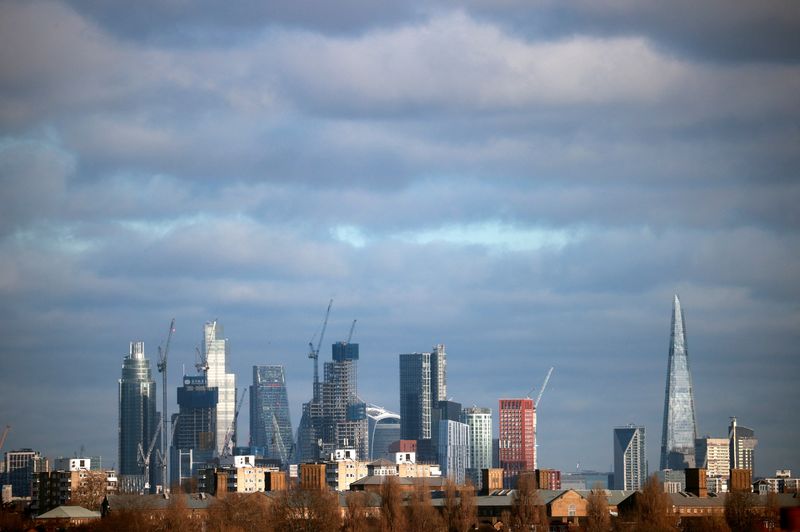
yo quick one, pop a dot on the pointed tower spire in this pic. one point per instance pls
(680, 422)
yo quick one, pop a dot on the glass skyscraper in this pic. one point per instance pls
(193, 442)
(138, 418)
(479, 421)
(630, 459)
(270, 424)
(215, 347)
(423, 383)
(680, 425)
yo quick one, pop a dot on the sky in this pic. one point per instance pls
(527, 182)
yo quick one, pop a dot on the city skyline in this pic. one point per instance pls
(527, 183)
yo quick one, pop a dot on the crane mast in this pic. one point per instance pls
(162, 368)
(144, 459)
(226, 451)
(314, 353)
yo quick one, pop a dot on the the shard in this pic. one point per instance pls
(680, 423)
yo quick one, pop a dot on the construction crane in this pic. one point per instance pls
(277, 439)
(314, 352)
(536, 407)
(226, 446)
(162, 368)
(544, 385)
(144, 459)
(3, 437)
(352, 328)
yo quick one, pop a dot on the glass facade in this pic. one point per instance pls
(680, 426)
(138, 419)
(479, 421)
(215, 347)
(270, 424)
(630, 458)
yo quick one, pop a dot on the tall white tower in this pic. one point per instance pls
(215, 346)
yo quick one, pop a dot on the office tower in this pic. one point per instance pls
(194, 436)
(384, 430)
(713, 455)
(680, 426)
(517, 438)
(453, 450)
(270, 425)
(20, 467)
(742, 442)
(138, 419)
(335, 418)
(630, 459)
(479, 421)
(423, 383)
(215, 347)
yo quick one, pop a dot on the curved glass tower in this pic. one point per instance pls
(680, 423)
(138, 419)
(270, 424)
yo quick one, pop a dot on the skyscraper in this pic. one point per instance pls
(138, 419)
(630, 458)
(384, 429)
(215, 347)
(479, 421)
(270, 424)
(423, 383)
(680, 425)
(517, 438)
(194, 437)
(743, 443)
(453, 449)
(713, 455)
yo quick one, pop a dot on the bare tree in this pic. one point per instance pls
(459, 511)
(597, 517)
(392, 512)
(654, 508)
(176, 517)
(740, 512)
(422, 516)
(526, 507)
(704, 524)
(356, 519)
(239, 512)
(90, 490)
(306, 510)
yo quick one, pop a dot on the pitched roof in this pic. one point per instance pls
(69, 512)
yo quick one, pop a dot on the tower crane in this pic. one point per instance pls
(144, 459)
(162, 368)
(544, 385)
(3, 437)
(226, 446)
(536, 409)
(352, 327)
(277, 439)
(314, 353)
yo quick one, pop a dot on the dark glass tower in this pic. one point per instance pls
(270, 425)
(680, 423)
(138, 419)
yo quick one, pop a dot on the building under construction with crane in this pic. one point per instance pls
(335, 417)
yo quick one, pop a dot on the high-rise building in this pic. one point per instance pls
(453, 450)
(194, 435)
(138, 419)
(713, 455)
(335, 418)
(680, 425)
(384, 429)
(479, 421)
(742, 444)
(630, 458)
(270, 425)
(215, 347)
(517, 439)
(20, 468)
(423, 383)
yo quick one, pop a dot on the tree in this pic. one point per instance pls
(421, 513)
(740, 512)
(653, 512)
(459, 507)
(236, 512)
(310, 510)
(597, 517)
(356, 519)
(526, 506)
(392, 512)
(176, 517)
(90, 490)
